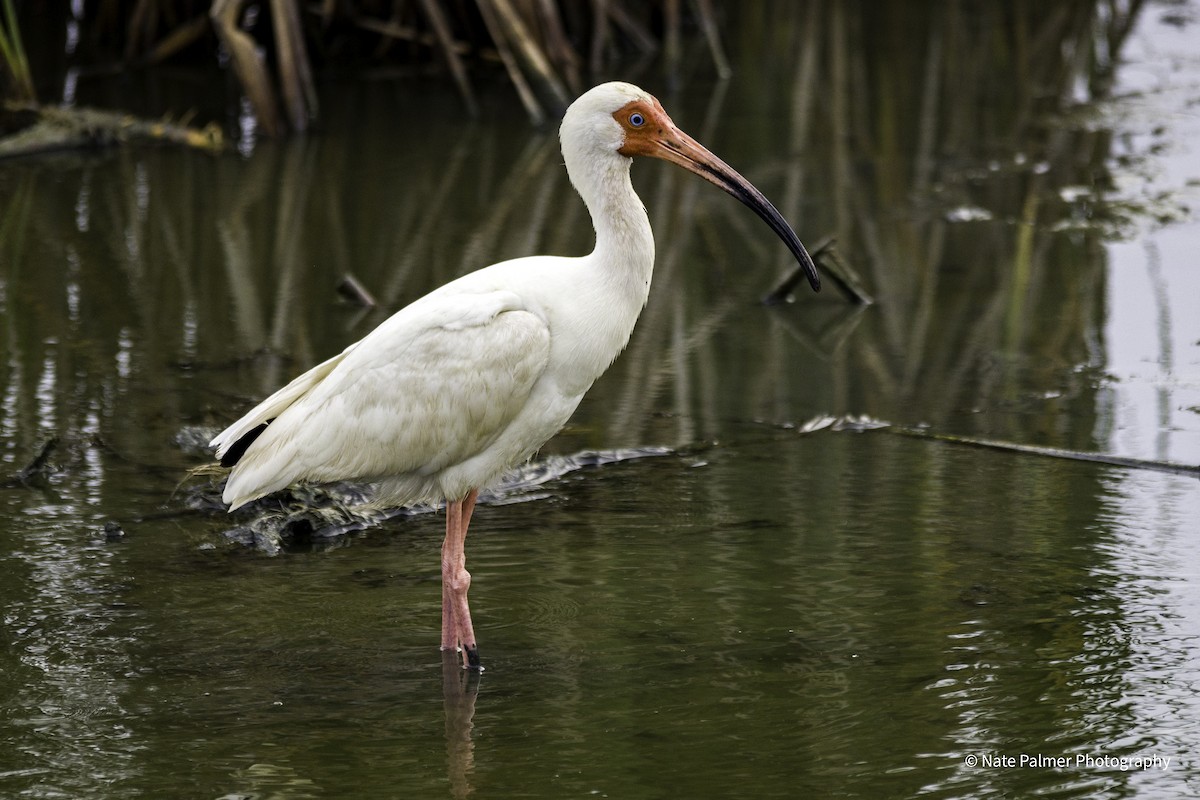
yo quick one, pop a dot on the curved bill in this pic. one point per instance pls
(671, 144)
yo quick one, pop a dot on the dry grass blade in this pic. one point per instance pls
(708, 24)
(441, 28)
(599, 34)
(631, 27)
(15, 60)
(531, 55)
(295, 74)
(178, 39)
(532, 107)
(558, 45)
(672, 39)
(247, 64)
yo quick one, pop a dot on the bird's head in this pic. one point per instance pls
(620, 120)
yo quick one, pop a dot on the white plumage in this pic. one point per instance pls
(474, 377)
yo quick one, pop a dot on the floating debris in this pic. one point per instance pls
(969, 214)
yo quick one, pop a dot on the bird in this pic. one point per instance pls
(473, 378)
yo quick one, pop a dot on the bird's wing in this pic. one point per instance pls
(273, 406)
(431, 387)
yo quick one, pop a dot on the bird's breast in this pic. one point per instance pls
(589, 327)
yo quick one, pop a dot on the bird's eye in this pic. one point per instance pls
(637, 120)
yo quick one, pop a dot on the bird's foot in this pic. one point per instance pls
(470, 656)
(471, 659)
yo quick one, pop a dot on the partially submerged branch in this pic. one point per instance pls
(52, 129)
(832, 266)
(352, 289)
(1110, 459)
(35, 470)
(860, 424)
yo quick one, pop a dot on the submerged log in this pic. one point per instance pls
(306, 515)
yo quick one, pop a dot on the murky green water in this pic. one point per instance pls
(765, 612)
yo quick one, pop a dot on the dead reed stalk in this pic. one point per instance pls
(543, 45)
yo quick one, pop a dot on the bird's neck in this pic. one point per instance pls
(624, 252)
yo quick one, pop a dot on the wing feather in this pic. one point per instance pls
(270, 408)
(433, 386)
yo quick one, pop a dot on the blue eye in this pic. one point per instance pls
(637, 120)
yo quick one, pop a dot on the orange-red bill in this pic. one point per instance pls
(650, 132)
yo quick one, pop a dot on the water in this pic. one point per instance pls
(762, 612)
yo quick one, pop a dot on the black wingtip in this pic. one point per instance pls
(234, 454)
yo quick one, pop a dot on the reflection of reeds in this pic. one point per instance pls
(914, 133)
(870, 154)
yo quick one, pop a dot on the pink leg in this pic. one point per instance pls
(457, 631)
(449, 626)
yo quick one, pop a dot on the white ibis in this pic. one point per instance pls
(474, 377)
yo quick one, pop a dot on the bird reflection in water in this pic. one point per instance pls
(460, 687)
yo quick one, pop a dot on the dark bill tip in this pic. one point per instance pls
(690, 154)
(745, 191)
